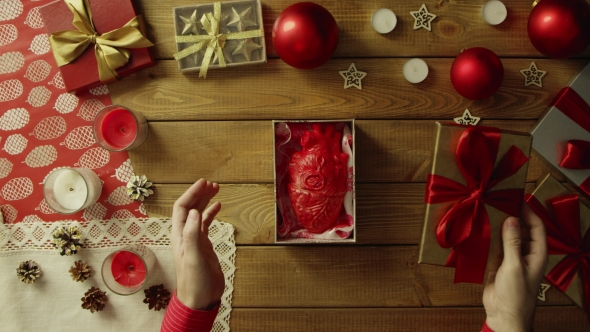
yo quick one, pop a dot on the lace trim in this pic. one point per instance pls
(101, 234)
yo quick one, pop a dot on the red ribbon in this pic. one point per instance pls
(577, 155)
(564, 237)
(465, 227)
(570, 103)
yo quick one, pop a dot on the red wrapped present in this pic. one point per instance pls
(567, 223)
(96, 42)
(477, 180)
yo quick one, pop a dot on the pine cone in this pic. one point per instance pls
(28, 272)
(68, 240)
(157, 297)
(80, 271)
(138, 188)
(94, 299)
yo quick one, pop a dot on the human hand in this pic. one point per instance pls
(510, 295)
(199, 278)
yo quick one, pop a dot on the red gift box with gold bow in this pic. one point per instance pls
(562, 134)
(96, 42)
(477, 181)
(567, 224)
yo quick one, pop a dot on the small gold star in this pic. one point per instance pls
(223, 24)
(352, 77)
(467, 119)
(242, 20)
(226, 54)
(191, 24)
(423, 18)
(533, 76)
(542, 290)
(245, 48)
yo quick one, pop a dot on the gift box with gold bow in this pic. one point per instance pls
(477, 181)
(562, 135)
(567, 224)
(96, 41)
(219, 35)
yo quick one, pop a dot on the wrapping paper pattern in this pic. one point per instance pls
(27, 307)
(42, 127)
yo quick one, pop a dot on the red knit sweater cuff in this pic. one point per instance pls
(180, 318)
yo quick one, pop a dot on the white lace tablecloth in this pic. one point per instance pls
(54, 301)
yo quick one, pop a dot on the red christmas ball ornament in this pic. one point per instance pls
(560, 28)
(477, 73)
(305, 35)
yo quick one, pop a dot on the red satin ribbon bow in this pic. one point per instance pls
(465, 227)
(577, 155)
(564, 237)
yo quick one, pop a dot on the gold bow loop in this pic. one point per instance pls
(213, 41)
(110, 48)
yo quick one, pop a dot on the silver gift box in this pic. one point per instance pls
(554, 129)
(193, 62)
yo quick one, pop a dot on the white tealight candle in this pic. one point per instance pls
(383, 20)
(494, 12)
(415, 70)
(70, 189)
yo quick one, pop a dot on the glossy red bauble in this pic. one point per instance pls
(305, 35)
(477, 73)
(560, 28)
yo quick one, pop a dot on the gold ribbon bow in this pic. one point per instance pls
(110, 48)
(213, 41)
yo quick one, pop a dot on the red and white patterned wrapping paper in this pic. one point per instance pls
(287, 136)
(42, 127)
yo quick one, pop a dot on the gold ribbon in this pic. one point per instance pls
(213, 41)
(110, 48)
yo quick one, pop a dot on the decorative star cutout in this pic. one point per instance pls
(542, 290)
(352, 77)
(192, 25)
(467, 119)
(423, 18)
(245, 48)
(533, 76)
(241, 20)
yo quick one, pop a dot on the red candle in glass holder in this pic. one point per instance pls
(119, 128)
(128, 269)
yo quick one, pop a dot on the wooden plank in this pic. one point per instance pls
(549, 319)
(458, 25)
(386, 213)
(349, 277)
(241, 151)
(277, 91)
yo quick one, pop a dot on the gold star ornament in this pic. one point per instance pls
(467, 119)
(422, 18)
(533, 76)
(191, 24)
(245, 48)
(352, 77)
(242, 20)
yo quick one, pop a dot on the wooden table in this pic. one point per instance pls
(220, 129)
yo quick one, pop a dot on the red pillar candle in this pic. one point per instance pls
(128, 269)
(119, 128)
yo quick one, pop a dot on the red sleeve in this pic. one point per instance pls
(486, 328)
(180, 318)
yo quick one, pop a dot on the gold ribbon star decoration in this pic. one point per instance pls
(533, 76)
(422, 18)
(467, 119)
(192, 24)
(352, 77)
(241, 21)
